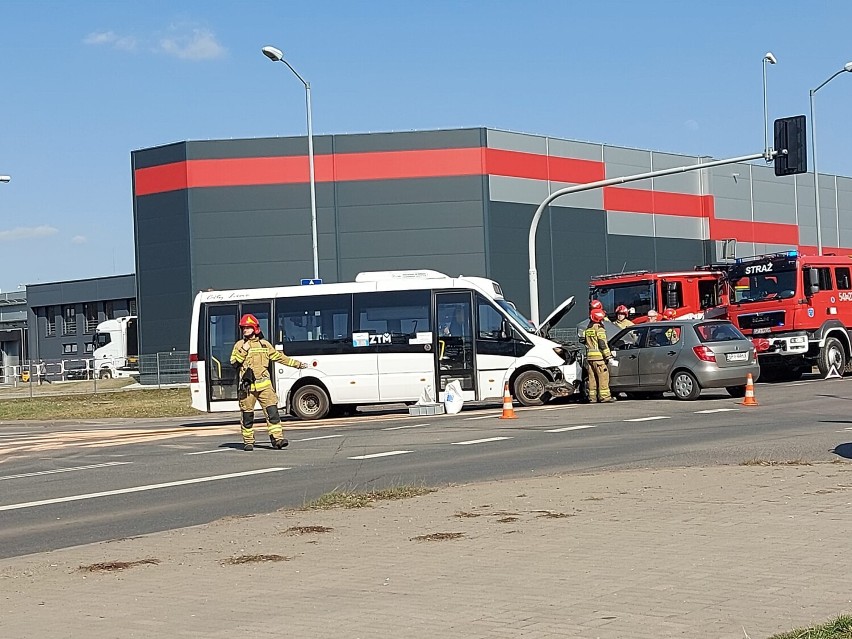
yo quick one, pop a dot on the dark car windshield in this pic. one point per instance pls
(637, 295)
(718, 332)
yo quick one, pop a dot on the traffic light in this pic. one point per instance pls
(791, 145)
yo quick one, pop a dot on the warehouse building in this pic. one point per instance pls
(224, 214)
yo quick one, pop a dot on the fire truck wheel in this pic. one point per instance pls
(832, 354)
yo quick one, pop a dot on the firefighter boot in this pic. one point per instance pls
(247, 430)
(276, 432)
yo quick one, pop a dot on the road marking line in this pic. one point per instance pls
(480, 441)
(139, 489)
(207, 452)
(387, 454)
(310, 439)
(648, 419)
(64, 470)
(471, 419)
(567, 428)
(406, 426)
(715, 410)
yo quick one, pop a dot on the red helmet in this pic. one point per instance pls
(622, 309)
(669, 313)
(595, 304)
(597, 315)
(249, 321)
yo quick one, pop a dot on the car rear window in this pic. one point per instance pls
(718, 332)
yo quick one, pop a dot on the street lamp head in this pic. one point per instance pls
(770, 58)
(276, 55)
(847, 66)
(5, 178)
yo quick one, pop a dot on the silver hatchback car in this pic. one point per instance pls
(682, 356)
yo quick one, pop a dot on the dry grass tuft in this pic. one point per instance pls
(464, 514)
(115, 566)
(307, 530)
(547, 514)
(253, 559)
(443, 536)
(353, 499)
(757, 461)
(507, 520)
(839, 628)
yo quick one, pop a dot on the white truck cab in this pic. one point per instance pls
(116, 348)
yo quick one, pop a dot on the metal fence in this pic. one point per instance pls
(84, 375)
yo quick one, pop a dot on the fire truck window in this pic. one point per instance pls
(844, 282)
(708, 295)
(673, 294)
(824, 279)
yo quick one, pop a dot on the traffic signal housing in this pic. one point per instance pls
(791, 145)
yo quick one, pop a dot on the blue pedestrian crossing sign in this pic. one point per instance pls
(311, 282)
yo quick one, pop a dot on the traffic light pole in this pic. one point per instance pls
(533, 273)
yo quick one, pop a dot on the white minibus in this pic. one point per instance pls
(381, 339)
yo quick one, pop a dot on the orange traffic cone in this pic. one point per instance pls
(508, 409)
(749, 396)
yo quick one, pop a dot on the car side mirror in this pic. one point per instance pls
(506, 331)
(813, 281)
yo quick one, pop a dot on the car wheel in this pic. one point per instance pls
(106, 374)
(832, 355)
(736, 391)
(685, 386)
(529, 388)
(310, 402)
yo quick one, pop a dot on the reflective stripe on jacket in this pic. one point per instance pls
(259, 354)
(594, 337)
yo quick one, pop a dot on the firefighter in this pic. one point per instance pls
(597, 357)
(673, 333)
(250, 357)
(653, 316)
(621, 317)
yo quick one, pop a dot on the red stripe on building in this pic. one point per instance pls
(618, 198)
(761, 232)
(542, 167)
(162, 178)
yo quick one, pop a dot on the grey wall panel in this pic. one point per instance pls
(433, 215)
(157, 155)
(630, 253)
(845, 238)
(805, 200)
(522, 142)
(726, 208)
(259, 197)
(370, 193)
(255, 274)
(677, 254)
(411, 242)
(844, 201)
(621, 162)
(527, 191)
(620, 223)
(681, 227)
(410, 140)
(730, 181)
(257, 147)
(807, 235)
(576, 150)
(774, 197)
(472, 264)
(269, 248)
(679, 183)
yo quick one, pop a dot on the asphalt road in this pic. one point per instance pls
(73, 483)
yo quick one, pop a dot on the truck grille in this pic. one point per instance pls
(761, 320)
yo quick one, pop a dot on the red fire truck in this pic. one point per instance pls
(800, 304)
(690, 293)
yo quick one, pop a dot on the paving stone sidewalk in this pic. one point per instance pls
(729, 551)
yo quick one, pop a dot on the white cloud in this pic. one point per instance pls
(78, 239)
(111, 38)
(201, 44)
(27, 233)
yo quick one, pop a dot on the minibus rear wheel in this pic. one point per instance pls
(310, 402)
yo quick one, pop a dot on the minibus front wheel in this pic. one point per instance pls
(310, 402)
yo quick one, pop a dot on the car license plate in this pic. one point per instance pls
(762, 331)
(737, 357)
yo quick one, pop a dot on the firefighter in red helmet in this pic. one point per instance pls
(251, 357)
(621, 320)
(598, 356)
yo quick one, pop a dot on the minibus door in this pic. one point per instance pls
(454, 351)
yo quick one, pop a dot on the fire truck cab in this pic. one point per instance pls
(801, 305)
(690, 293)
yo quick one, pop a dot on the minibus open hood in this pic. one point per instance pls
(555, 316)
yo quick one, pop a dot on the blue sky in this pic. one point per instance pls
(82, 84)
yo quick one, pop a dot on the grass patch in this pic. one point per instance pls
(757, 461)
(355, 499)
(168, 402)
(306, 530)
(253, 559)
(114, 566)
(507, 520)
(840, 628)
(442, 536)
(463, 514)
(549, 514)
